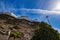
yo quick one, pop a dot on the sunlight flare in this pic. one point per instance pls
(56, 6)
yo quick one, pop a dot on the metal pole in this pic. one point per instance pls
(48, 19)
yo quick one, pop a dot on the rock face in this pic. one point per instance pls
(8, 22)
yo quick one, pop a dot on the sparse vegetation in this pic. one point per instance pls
(15, 35)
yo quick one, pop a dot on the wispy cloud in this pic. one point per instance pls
(39, 11)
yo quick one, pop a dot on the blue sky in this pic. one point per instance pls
(35, 9)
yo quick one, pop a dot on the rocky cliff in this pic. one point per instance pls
(11, 23)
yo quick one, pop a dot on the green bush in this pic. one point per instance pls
(44, 31)
(15, 34)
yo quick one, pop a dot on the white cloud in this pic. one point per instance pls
(39, 11)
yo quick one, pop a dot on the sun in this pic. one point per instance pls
(57, 6)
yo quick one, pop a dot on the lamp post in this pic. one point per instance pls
(48, 19)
